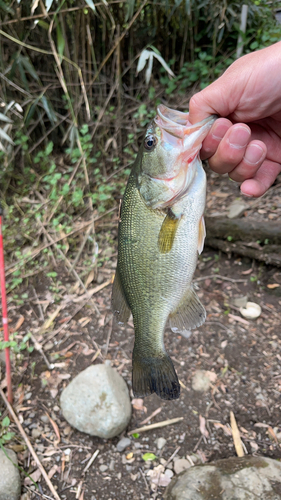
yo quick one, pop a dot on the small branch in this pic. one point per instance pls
(224, 278)
(164, 423)
(153, 414)
(236, 436)
(108, 336)
(90, 228)
(93, 457)
(29, 445)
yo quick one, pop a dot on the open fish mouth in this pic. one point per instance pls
(176, 123)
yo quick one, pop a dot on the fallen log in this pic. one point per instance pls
(270, 254)
(260, 240)
(245, 229)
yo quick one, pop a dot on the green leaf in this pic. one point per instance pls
(6, 8)
(148, 456)
(29, 67)
(43, 25)
(60, 41)
(136, 435)
(49, 109)
(6, 422)
(8, 436)
(49, 148)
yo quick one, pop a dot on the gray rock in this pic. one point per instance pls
(200, 381)
(160, 443)
(97, 402)
(247, 478)
(9, 476)
(236, 209)
(181, 464)
(122, 444)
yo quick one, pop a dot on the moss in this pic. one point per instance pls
(212, 490)
(233, 465)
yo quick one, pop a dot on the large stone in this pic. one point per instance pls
(10, 485)
(236, 209)
(97, 402)
(247, 478)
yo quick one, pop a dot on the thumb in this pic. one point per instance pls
(207, 102)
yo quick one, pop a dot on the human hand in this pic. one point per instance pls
(246, 142)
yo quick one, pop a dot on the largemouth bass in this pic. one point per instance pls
(161, 232)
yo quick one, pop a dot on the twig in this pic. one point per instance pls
(224, 278)
(145, 481)
(198, 443)
(172, 456)
(38, 347)
(165, 465)
(93, 457)
(90, 228)
(108, 336)
(164, 423)
(95, 290)
(236, 436)
(12, 267)
(29, 445)
(153, 414)
(38, 304)
(217, 323)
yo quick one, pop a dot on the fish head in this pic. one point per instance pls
(168, 156)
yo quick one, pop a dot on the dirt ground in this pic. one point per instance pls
(242, 356)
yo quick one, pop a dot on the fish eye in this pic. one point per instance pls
(150, 142)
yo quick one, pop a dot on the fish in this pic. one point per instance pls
(161, 231)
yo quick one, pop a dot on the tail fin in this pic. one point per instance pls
(155, 374)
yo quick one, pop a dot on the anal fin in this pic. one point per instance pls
(168, 232)
(189, 314)
(202, 235)
(119, 303)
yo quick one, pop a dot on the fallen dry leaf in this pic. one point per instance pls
(225, 429)
(137, 404)
(35, 476)
(202, 426)
(248, 271)
(52, 471)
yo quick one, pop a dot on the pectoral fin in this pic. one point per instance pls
(202, 235)
(168, 232)
(189, 314)
(119, 303)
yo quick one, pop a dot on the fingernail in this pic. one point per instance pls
(253, 154)
(239, 137)
(246, 194)
(219, 131)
